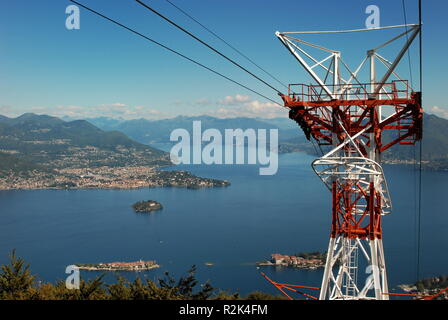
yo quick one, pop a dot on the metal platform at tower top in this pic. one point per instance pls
(397, 91)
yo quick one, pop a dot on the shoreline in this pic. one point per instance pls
(117, 269)
(120, 266)
(103, 178)
(103, 188)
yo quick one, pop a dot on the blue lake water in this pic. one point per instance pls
(232, 227)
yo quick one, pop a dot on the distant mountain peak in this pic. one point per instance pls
(38, 119)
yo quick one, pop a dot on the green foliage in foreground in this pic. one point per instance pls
(17, 283)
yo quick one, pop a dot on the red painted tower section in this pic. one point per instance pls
(357, 121)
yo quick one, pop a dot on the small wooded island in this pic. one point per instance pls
(146, 206)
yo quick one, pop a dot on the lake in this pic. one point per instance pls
(231, 227)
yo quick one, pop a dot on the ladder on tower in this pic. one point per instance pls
(351, 289)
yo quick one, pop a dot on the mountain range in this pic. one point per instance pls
(434, 143)
(158, 131)
(43, 142)
(291, 138)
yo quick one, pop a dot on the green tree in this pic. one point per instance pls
(184, 288)
(257, 295)
(16, 281)
(120, 290)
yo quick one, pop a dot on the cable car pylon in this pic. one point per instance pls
(350, 115)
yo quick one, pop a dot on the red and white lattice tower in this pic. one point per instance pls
(352, 117)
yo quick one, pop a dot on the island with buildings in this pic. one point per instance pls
(437, 287)
(311, 261)
(120, 266)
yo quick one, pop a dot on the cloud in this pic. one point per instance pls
(235, 106)
(177, 102)
(202, 102)
(438, 111)
(227, 107)
(6, 110)
(231, 101)
(245, 106)
(113, 110)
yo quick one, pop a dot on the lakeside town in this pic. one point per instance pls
(106, 178)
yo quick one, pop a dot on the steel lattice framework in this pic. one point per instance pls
(352, 117)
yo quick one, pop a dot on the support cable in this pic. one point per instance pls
(415, 195)
(226, 43)
(207, 45)
(421, 146)
(416, 188)
(407, 39)
(174, 51)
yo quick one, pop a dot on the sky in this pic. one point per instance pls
(102, 70)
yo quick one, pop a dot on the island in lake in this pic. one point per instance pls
(436, 286)
(120, 266)
(147, 206)
(303, 260)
